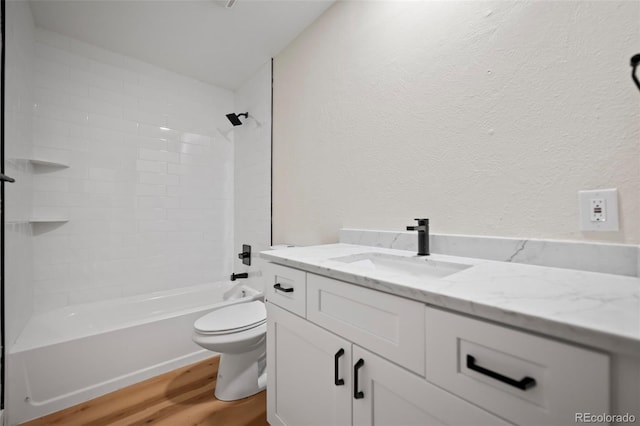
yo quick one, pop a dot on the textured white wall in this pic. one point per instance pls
(149, 190)
(486, 117)
(18, 279)
(252, 171)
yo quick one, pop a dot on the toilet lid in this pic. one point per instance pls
(237, 317)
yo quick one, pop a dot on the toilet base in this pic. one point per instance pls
(241, 375)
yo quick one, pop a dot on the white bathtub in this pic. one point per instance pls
(77, 353)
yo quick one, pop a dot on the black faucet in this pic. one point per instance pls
(423, 236)
(236, 276)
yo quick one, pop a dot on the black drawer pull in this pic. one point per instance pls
(336, 373)
(356, 393)
(279, 287)
(524, 384)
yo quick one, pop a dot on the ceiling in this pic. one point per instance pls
(201, 39)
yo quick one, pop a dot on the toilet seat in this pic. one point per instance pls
(232, 319)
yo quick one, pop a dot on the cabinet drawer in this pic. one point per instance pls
(286, 287)
(388, 325)
(523, 378)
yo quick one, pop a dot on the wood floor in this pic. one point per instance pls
(182, 397)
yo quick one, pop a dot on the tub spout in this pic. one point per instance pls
(237, 276)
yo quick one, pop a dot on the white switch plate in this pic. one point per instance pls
(599, 210)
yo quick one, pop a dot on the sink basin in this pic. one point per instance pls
(415, 266)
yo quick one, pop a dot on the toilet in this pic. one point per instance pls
(238, 333)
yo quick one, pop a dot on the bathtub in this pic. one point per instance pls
(70, 355)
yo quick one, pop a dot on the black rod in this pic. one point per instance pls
(3, 33)
(271, 160)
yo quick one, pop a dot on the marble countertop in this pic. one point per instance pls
(595, 309)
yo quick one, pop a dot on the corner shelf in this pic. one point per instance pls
(47, 163)
(45, 219)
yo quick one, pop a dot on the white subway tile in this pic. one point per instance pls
(47, 67)
(149, 143)
(112, 123)
(153, 155)
(58, 112)
(112, 97)
(156, 225)
(153, 107)
(152, 178)
(146, 93)
(171, 202)
(50, 184)
(113, 72)
(44, 140)
(172, 157)
(174, 191)
(197, 139)
(176, 169)
(173, 146)
(150, 202)
(98, 187)
(62, 83)
(160, 132)
(151, 214)
(146, 189)
(102, 174)
(50, 127)
(51, 272)
(146, 117)
(184, 236)
(151, 166)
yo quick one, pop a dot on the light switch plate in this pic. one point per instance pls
(599, 210)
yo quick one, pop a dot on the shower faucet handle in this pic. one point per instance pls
(245, 255)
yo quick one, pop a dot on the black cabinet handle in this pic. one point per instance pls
(524, 384)
(356, 393)
(279, 287)
(336, 373)
(5, 178)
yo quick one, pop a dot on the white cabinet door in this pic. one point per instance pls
(308, 373)
(392, 396)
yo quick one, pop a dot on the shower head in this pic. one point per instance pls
(635, 61)
(235, 118)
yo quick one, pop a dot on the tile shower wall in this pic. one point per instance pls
(252, 168)
(149, 187)
(18, 135)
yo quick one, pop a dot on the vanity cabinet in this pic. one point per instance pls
(418, 363)
(317, 378)
(330, 375)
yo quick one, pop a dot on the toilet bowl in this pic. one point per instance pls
(238, 333)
